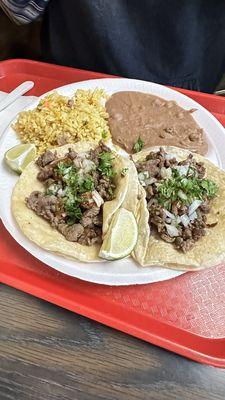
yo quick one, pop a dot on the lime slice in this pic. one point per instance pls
(18, 157)
(121, 236)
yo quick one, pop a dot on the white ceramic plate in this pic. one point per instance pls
(122, 272)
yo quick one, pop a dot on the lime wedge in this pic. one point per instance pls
(18, 157)
(121, 236)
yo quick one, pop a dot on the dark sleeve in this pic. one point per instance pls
(173, 42)
(23, 11)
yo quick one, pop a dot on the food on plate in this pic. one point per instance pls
(19, 156)
(84, 201)
(138, 145)
(121, 237)
(58, 120)
(65, 200)
(139, 118)
(181, 214)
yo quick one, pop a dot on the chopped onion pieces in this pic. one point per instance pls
(172, 230)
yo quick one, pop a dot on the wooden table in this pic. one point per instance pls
(48, 353)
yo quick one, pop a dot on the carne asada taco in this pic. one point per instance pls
(181, 214)
(65, 200)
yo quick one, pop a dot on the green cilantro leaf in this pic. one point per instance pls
(192, 187)
(138, 145)
(104, 134)
(61, 168)
(124, 171)
(209, 187)
(105, 164)
(87, 185)
(73, 212)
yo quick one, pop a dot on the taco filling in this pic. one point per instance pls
(178, 196)
(76, 186)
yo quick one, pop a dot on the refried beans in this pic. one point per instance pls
(155, 120)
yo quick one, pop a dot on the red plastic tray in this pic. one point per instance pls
(185, 315)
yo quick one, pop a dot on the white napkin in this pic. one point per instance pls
(7, 115)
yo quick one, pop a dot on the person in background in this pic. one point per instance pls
(173, 42)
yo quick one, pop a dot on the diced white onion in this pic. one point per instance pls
(169, 156)
(157, 184)
(88, 165)
(53, 188)
(83, 154)
(193, 207)
(175, 221)
(168, 214)
(97, 198)
(149, 181)
(178, 219)
(182, 169)
(142, 176)
(185, 220)
(182, 195)
(172, 230)
(166, 173)
(64, 191)
(80, 174)
(184, 181)
(193, 216)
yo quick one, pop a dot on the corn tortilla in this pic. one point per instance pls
(151, 250)
(39, 230)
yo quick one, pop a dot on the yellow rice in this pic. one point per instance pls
(53, 119)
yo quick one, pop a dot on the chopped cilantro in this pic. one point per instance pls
(209, 187)
(61, 168)
(138, 145)
(192, 187)
(104, 134)
(73, 212)
(105, 164)
(87, 185)
(49, 192)
(73, 182)
(124, 171)
(71, 196)
(68, 174)
(52, 189)
(71, 179)
(192, 172)
(72, 186)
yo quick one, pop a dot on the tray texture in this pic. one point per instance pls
(185, 315)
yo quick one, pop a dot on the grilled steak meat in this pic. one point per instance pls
(75, 189)
(45, 158)
(178, 197)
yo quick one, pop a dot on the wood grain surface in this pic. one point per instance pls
(48, 353)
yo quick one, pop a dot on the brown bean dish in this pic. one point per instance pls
(156, 121)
